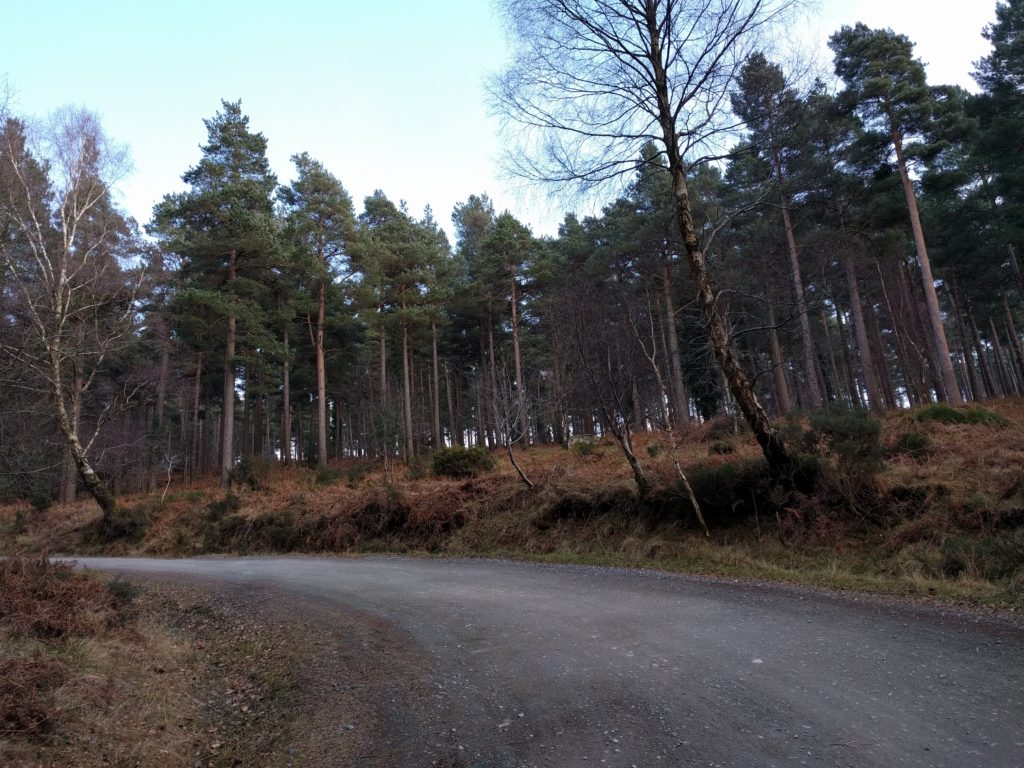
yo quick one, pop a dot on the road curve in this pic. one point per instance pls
(579, 666)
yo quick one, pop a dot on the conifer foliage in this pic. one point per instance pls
(766, 248)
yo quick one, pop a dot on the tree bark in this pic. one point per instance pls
(1015, 342)
(246, 442)
(767, 436)
(782, 397)
(945, 362)
(974, 384)
(436, 393)
(96, 486)
(410, 449)
(321, 369)
(197, 436)
(680, 407)
(227, 432)
(860, 331)
(286, 407)
(383, 362)
(1005, 377)
(815, 395)
(1015, 268)
(986, 370)
(831, 353)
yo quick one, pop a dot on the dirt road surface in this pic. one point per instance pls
(510, 664)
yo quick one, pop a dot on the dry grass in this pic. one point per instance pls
(81, 680)
(88, 679)
(948, 522)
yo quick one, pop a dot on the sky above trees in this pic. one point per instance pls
(387, 94)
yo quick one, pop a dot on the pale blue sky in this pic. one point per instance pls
(387, 93)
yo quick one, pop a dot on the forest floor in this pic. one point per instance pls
(940, 517)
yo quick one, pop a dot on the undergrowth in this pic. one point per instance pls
(931, 505)
(45, 609)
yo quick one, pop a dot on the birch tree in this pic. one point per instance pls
(593, 81)
(60, 256)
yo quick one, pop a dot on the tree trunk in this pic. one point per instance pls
(680, 407)
(986, 371)
(246, 447)
(846, 350)
(880, 357)
(321, 373)
(767, 436)
(815, 395)
(493, 368)
(161, 380)
(286, 407)
(1005, 379)
(830, 351)
(227, 431)
(453, 437)
(785, 404)
(383, 363)
(197, 438)
(860, 331)
(1015, 343)
(300, 435)
(339, 432)
(959, 311)
(459, 424)
(516, 354)
(1015, 268)
(945, 362)
(481, 425)
(436, 393)
(410, 450)
(96, 486)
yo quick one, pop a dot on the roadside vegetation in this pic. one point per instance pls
(909, 504)
(95, 672)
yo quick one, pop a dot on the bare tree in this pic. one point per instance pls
(609, 361)
(60, 256)
(510, 407)
(645, 337)
(593, 81)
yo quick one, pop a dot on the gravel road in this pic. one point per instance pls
(531, 665)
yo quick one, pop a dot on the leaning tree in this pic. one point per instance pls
(591, 82)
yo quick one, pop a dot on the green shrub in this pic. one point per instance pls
(732, 491)
(252, 471)
(947, 414)
(271, 532)
(721, 448)
(997, 557)
(216, 510)
(461, 462)
(357, 472)
(326, 476)
(129, 523)
(653, 450)
(722, 427)
(418, 467)
(124, 591)
(916, 445)
(853, 436)
(40, 498)
(584, 446)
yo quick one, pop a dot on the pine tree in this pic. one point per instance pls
(319, 226)
(887, 86)
(224, 230)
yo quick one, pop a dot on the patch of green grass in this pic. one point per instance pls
(867, 569)
(944, 413)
